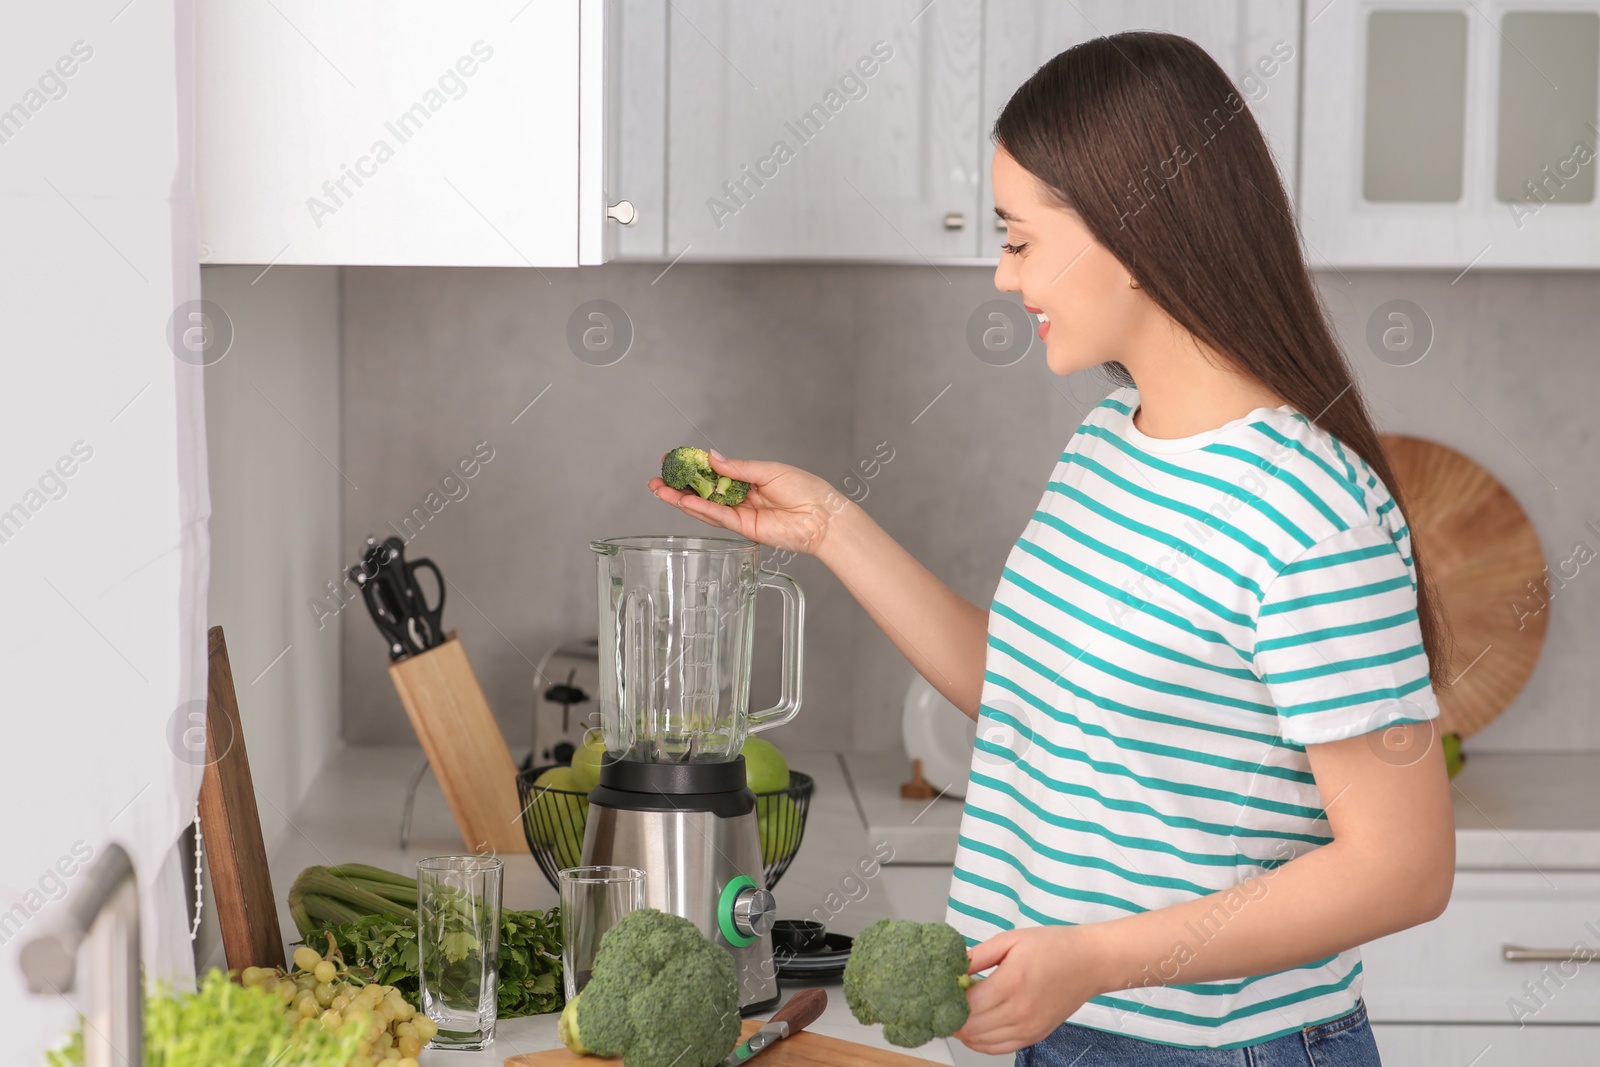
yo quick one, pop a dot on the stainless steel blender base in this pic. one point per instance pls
(689, 859)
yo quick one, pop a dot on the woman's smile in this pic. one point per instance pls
(1044, 320)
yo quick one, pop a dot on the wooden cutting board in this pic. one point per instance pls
(246, 908)
(804, 1049)
(1483, 560)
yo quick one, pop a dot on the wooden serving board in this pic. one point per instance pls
(1487, 570)
(804, 1049)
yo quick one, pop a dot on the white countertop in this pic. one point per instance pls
(919, 831)
(352, 815)
(1513, 810)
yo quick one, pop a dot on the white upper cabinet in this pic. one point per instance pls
(824, 129)
(1256, 42)
(1451, 133)
(831, 129)
(406, 132)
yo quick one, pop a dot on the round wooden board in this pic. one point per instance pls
(1484, 563)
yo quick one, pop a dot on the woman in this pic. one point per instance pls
(1205, 771)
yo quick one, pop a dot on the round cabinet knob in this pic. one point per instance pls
(754, 912)
(624, 212)
(955, 220)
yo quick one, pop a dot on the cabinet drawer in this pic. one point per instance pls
(1453, 969)
(1486, 1046)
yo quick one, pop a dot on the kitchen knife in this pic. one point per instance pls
(803, 1009)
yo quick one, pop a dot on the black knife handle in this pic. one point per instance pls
(803, 1009)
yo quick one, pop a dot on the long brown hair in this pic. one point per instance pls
(1144, 137)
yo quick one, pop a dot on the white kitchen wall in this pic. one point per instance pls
(272, 423)
(439, 364)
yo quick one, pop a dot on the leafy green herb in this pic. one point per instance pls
(223, 1024)
(383, 949)
(458, 945)
(70, 1054)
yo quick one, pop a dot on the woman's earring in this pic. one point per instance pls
(1133, 284)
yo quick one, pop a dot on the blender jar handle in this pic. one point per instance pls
(794, 618)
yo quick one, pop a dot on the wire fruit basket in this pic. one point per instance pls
(553, 821)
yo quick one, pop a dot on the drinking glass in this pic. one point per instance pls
(592, 900)
(458, 944)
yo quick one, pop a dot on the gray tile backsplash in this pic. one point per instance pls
(817, 365)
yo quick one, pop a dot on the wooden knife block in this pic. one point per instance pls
(464, 745)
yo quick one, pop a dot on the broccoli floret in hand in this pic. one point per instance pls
(689, 468)
(662, 994)
(911, 977)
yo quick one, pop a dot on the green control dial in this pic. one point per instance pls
(725, 919)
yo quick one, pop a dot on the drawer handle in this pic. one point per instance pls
(1523, 954)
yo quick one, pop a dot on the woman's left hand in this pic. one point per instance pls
(1044, 974)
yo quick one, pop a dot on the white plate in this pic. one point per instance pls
(936, 732)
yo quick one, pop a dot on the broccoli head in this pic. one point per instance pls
(661, 994)
(689, 468)
(911, 977)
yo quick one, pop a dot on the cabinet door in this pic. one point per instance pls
(1247, 38)
(396, 132)
(1452, 134)
(1455, 968)
(822, 129)
(1486, 1046)
(640, 156)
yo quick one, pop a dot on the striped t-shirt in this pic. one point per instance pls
(1178, 620)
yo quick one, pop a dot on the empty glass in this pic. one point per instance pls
(458, 943)
(592, 900)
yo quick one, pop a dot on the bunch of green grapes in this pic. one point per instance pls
(321, 991)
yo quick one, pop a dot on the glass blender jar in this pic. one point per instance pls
(677, 614)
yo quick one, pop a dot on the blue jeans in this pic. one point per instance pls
(1343, 1042)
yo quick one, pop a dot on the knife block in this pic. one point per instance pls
(464, 745)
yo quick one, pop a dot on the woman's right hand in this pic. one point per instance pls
(786, 507)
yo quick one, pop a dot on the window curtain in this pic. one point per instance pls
(103, 491)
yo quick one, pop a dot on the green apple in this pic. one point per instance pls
(765, 769)
(1454, 758)
(586, 761)
(562, 777)
(557, 817)
(778, 823)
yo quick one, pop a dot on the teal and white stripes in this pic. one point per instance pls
(1177, 621)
